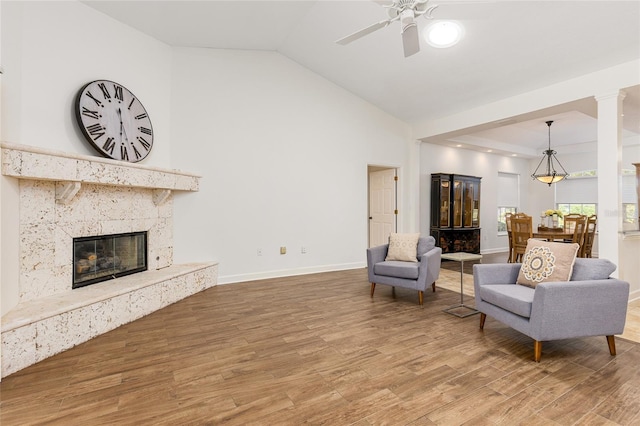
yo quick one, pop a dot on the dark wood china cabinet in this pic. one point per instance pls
(455, 212)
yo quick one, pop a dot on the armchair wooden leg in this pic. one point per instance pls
(373, 288)
(393, 292)
(611, 340)
(433, 286)
(483, 317)
(420, 297)
(537, 350)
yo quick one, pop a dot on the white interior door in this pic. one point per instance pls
(382, 206)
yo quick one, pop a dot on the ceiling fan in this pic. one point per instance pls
(405, 11)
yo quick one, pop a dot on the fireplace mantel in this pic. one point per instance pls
(72, 170)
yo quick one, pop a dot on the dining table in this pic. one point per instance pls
(553, 234)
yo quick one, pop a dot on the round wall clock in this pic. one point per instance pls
(114, 121)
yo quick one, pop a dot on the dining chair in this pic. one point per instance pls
(579, 231)
(507, 219)
(571, 219)
(521, 230)
(589, 235)
(569, 225)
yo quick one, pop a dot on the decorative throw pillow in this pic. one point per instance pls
(403, 247)
(592, 269)
(545, 261)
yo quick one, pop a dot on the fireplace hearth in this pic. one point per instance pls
(104, 257)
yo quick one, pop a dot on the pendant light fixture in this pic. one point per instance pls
(549, 175)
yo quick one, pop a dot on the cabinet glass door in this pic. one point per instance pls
(457, 203)
(444, 204)
(475, 221)
(468, 203)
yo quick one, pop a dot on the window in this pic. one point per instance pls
(577, 191)
(586, 209)
(629, 214)
(502, 213)
(629, 201)
(578, 194)
(508, 198)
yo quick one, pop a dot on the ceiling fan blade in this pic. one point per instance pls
(410, 40)
(363, 32)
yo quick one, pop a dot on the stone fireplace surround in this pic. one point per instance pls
(62, 196)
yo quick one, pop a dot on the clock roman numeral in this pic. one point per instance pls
(141, 116)
(109, 145)
(94, 99)
(135, 151)
(118, 95)
(124, 154)
(145, 130)
(144, 143)
(96, 130)
(90, 113)
(105, 91)
(131, 103)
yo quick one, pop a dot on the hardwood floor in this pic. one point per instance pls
(317, 349)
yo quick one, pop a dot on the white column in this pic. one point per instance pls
(610, 175)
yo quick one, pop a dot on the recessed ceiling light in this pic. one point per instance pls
(489, 150)
(458, 146)
(443, 34)
(514, 155)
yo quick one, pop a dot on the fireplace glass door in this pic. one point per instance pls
(105, 257)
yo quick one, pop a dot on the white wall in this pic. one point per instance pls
(283, 155)
(436, 158)
(49, 51)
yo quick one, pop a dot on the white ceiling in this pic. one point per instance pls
(510, 47)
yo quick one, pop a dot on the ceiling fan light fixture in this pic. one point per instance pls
(443, 34)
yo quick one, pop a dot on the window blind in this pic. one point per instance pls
(577, 191)
(629, 194)
(508, 190)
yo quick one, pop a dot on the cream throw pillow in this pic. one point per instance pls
(546, 261)
(403, 247)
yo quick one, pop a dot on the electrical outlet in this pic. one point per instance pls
(283, 250)
(303, 250)
(259, 252)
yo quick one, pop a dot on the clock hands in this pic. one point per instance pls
(121, 126)
(124, 132)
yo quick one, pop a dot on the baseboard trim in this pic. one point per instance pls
(495, 250)
(232, 279)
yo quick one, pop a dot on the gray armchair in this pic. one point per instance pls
(590, 304)
(413, 275)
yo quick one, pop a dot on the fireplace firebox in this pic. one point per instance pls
(105, 257)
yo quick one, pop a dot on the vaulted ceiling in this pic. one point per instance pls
(509, 48)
